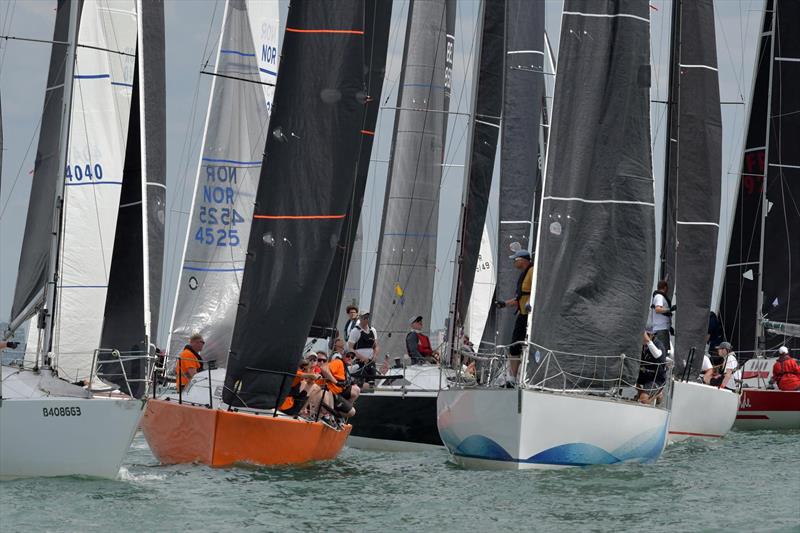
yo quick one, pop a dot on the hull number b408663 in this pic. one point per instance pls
(61, 411)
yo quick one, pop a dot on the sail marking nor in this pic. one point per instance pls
(607, 15)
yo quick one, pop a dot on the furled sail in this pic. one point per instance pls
(770, 154)
(343, 278)
(484, 137)
(406, 262)
(594, 266)
(521, 160)
(693, 176)
(227, 178)
(310, 162)
(35, 254)
(781, 257)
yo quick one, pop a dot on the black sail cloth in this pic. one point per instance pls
(485, 133)
(596, 242)
(377, 20)
(310, 162)
(693, 177)
(520, 160)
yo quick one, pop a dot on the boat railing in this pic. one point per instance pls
(130, 371)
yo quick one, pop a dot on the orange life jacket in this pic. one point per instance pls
(786, 374)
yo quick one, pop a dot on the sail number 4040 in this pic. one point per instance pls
(81, 172)
(61, 411)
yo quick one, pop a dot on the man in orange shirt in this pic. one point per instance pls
(189, 361)
(786, 371)
(344, 392)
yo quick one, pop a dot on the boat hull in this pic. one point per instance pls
(768, 409)
(182, 433)
(395, 422)
(522, 429)
(47, 437)
(701, 411)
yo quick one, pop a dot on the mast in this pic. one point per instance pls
(66, 113)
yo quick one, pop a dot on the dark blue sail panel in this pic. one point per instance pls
(693, 177)
(596, 241)
(308, 172)
(377, 19)
(738, 310)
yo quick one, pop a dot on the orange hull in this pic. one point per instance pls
(189, 434)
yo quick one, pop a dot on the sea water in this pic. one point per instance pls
(749, 481)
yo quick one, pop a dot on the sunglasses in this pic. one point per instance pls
(322, 360)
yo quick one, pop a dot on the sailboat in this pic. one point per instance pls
(89, 275)
(398, 413)
(592, 270)
(758, 310)
(693, 180)
(310, 159)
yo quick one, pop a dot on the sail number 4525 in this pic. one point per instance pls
(61, 411)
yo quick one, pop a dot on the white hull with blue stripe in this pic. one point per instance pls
(515, 429)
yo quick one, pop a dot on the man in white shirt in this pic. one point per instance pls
(661, 314)
(726, 373)
(363, 340)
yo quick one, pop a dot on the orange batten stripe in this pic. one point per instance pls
(297, 217)
(351, 32)
(367, 132)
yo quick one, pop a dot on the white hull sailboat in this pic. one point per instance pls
(701, 411)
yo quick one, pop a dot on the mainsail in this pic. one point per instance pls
(693, 176)
(345, 273)
(310, 162)
(406, 262)
(763, 254)
(521, 160)
(227, 179)
(593, 265)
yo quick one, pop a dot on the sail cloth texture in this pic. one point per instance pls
(594, 262)
(406, 262)
(483, 287)
(738, 309)
(101, 107)
(227, 179)
(36, 243)
(520, 159)
(485, 134)
(781, 263)
(694, 178)
(344, 277)
(310, 163)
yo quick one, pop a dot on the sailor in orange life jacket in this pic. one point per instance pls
(419, 345)
(786, 371)
(189, 361)
(523, 263)
(344, 392)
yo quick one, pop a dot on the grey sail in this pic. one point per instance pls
(693, 177)
(219, 224)
(352, 284)
(406, 262)
(33, 260)
(594, 259)
(520, 158)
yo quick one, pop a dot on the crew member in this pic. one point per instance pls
(652, 369)
(661, 313)
(522, 262)
(352, 320)
(303, 388)
(726, 373)
(785, 371)
(363, 340)
(339, 384)
(189, 361)
(418, 345)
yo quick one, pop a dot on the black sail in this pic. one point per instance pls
(377, 19)
(738, 310)
(693, 176)
(33, 259)
(520, 160)
(596, 240)
(307, 176)
(781, 261)
(485, 133)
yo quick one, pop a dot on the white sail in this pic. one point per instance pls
(482, 289)
(227, 179)
(102, 88)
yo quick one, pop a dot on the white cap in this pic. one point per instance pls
(783, 349)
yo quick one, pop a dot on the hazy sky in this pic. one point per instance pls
(192, 28)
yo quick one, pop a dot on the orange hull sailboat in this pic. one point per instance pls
(183, 433)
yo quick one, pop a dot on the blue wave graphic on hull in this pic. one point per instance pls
(645, 447)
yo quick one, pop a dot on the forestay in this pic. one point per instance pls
(693, 177)
(227, 180)
(594, 266)
(406, 262)
(310, 161)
